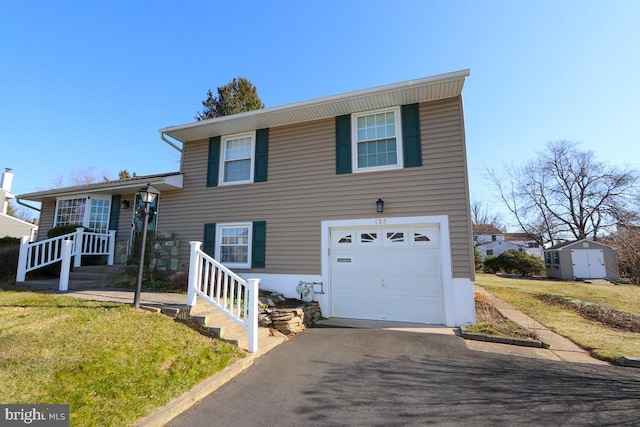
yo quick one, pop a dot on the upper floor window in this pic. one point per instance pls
(89, 212)
(237, 159)
(377, 140)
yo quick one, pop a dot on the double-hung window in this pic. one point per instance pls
(233, 247)
(90, 212)
(237, 159)
(377, 140)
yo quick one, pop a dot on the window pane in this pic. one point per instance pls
(99, 215)
(377, 153)
(238, 170)
(234, 245)
(238, 148)
(376, 140)
(70, 211)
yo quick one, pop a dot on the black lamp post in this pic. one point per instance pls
(147, 194)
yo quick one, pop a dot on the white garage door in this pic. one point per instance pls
(387, 273)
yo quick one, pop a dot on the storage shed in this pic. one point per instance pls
(582, 259)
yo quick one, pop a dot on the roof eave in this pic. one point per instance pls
(162, 182)
(419, 90)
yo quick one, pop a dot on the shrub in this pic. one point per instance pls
(9, 241)
(62, 230)
(9, 260)
(477, 258)
(513, 261)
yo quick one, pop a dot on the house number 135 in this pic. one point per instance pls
(381, 221)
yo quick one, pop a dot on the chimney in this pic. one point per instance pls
(7, 180)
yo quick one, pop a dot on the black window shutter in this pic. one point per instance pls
(343, 144)
(411, 147)
(262, 155)
(114, 216)
(213, 161)
(258, 244)
(209, 239)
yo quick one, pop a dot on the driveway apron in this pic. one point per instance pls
(332, 376)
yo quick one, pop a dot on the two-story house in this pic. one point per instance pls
(364, 192)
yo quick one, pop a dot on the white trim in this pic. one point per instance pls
(219, 227)
(223, 145)
(398, 136)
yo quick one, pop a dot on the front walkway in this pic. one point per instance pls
(560, 348)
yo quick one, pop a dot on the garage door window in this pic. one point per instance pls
(395, 237)
(368, 237)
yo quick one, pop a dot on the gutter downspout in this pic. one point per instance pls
(21, 203)
(164, 138)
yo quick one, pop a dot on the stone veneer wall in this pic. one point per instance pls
(290, 321)
(161, 250)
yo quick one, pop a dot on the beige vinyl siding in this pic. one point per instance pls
(13, 227)
(47, 215)
(303, 189)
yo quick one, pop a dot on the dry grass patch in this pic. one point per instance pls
(602, 341)
(111, 363)
(490, 321)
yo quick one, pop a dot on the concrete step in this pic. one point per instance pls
(223, 327)
(86, 276)
(53, 284)
(241, 339)
(104, 275)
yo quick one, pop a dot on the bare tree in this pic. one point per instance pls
(480, 214)
(565, 193)
(82, 176)
(627, 241)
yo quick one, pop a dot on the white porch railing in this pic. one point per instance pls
(35, 255)
(235, 297)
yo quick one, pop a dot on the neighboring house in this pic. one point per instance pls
(289, 194)
(9, 225)
(491, 241)
(581, 259)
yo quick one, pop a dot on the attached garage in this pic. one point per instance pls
(387, 273)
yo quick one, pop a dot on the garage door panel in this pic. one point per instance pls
(420, 310)
(388, 273)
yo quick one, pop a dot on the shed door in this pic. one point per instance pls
(387, 273)
(588, 263)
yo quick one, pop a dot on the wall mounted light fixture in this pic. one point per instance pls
(379, 205)
(124, 204)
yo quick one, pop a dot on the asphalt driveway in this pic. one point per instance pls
(339, 376)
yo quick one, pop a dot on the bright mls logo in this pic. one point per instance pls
(35, 415)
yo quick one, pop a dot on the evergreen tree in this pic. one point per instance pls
(237, 96)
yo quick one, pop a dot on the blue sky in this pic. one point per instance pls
(88, 84)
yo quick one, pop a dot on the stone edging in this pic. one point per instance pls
(501, 339)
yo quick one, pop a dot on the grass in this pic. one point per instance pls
(111, 363)
(603, 342)
(489, 321)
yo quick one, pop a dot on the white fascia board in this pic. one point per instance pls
(314, 109)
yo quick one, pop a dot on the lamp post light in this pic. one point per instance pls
(147, 194)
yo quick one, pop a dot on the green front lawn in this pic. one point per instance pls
(604, 342)
(111, 363)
